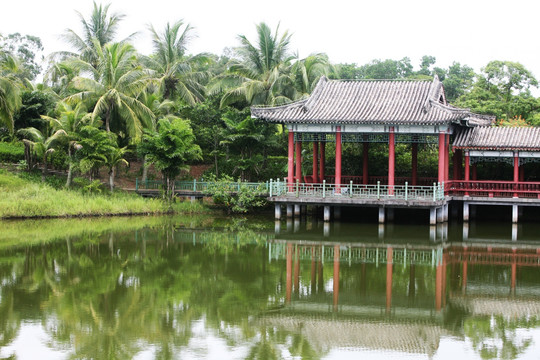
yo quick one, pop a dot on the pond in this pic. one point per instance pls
(216, 288)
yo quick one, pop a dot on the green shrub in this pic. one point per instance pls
(11, 152)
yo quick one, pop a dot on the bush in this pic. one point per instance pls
(237, 197)
(11, 152)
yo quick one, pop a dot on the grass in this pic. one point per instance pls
(26, 198)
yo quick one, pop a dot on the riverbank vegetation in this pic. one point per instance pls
(102, 104)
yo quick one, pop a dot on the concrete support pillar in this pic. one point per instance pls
(433, 231)
(326, 213)
(380, 232)
(515, 214)
(440, 214)
(277, 227)
(326, 229)
(390, 214)
(337, 212)
(445, 212)
(514, 232)
(465, 211)
(296, 210)
(289, 210)
(277, 211)
(465, 231)
(432, 216)
(381, 215)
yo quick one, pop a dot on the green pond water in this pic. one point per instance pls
(217, 288)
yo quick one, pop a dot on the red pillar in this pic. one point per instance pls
(365, 163)
(457, 160)
(290, 167)
(289, 274)
(446, 157)
(323, 155)
(336, 276)
(338, 158)
(391, 159)
(298, 175)
(516, 172)
(414, 163)
(442, 137)
(467, 171)
(389, 264)
(315, 161)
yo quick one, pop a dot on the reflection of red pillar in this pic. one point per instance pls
(414, 163)
(391, 159)
(514, 268)
(290, 167)
(320, 276)
(442, 137)
(438, 287)
(297, 272)
(338, 158)
(464, 276)
(443, 292)
(289, 273)
(336, 276)
(389, 260)
(323, 155)
(313, 270)
(298, 161)
(315, 161)
(365, 163)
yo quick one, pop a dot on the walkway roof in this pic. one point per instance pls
(498, 138)
(392, 102)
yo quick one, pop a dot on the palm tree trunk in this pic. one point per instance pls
(70, 169)
(44, 170)
(145, 169)
(111, 179)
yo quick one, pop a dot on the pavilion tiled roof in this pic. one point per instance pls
(498, 138)
(372, 102)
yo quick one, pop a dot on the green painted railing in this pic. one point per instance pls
(300, 190)
(355, 191)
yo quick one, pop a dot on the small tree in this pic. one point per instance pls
(170, 149)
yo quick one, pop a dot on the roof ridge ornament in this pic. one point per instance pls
(315, 94)
(434, 93)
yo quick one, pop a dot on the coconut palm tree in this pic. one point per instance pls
(308, 71)
(175, 70)
(262, 76)
(113, 89)
(10, 89)
(100, 28)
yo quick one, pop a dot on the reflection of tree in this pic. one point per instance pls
(496, 338)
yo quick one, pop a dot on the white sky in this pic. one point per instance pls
(472, 32)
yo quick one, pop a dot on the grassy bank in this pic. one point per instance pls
(24, 198)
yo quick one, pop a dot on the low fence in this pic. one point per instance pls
(202, 186)
(506, 189)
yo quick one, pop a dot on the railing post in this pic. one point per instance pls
(324, 189)
(270, 190)
(378, 190)
(350, 189)
(297, 187)
(194, 185)
(434, 192)
(136, 184)
(441, 192)
(406, 190)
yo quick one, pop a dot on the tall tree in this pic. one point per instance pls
(113, 88)
(308, 71)
(10, 89)
(28, 50)
(262, 75)
(174, 68)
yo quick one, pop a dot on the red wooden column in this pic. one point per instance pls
(315, 161)
(391, 159)
(389, 265)
(323, 156)
(298, 175)
(516, 172)
(467, 171)
(446, 157)
(336, 276)
(338, 158)
(365, 163)
(290, 164)
(442, 138)
(289, 274)
(414, 163)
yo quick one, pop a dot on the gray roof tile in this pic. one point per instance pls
(498, 138)
(371, 101)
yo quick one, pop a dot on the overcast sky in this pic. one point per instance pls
(472, 32)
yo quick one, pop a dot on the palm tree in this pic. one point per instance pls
(100, 28)
(41, 144)
(308, 71)
(70, 119)
(175, 70)
(262, 76)
(10, 89)
(114, 157)
(112, 91)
